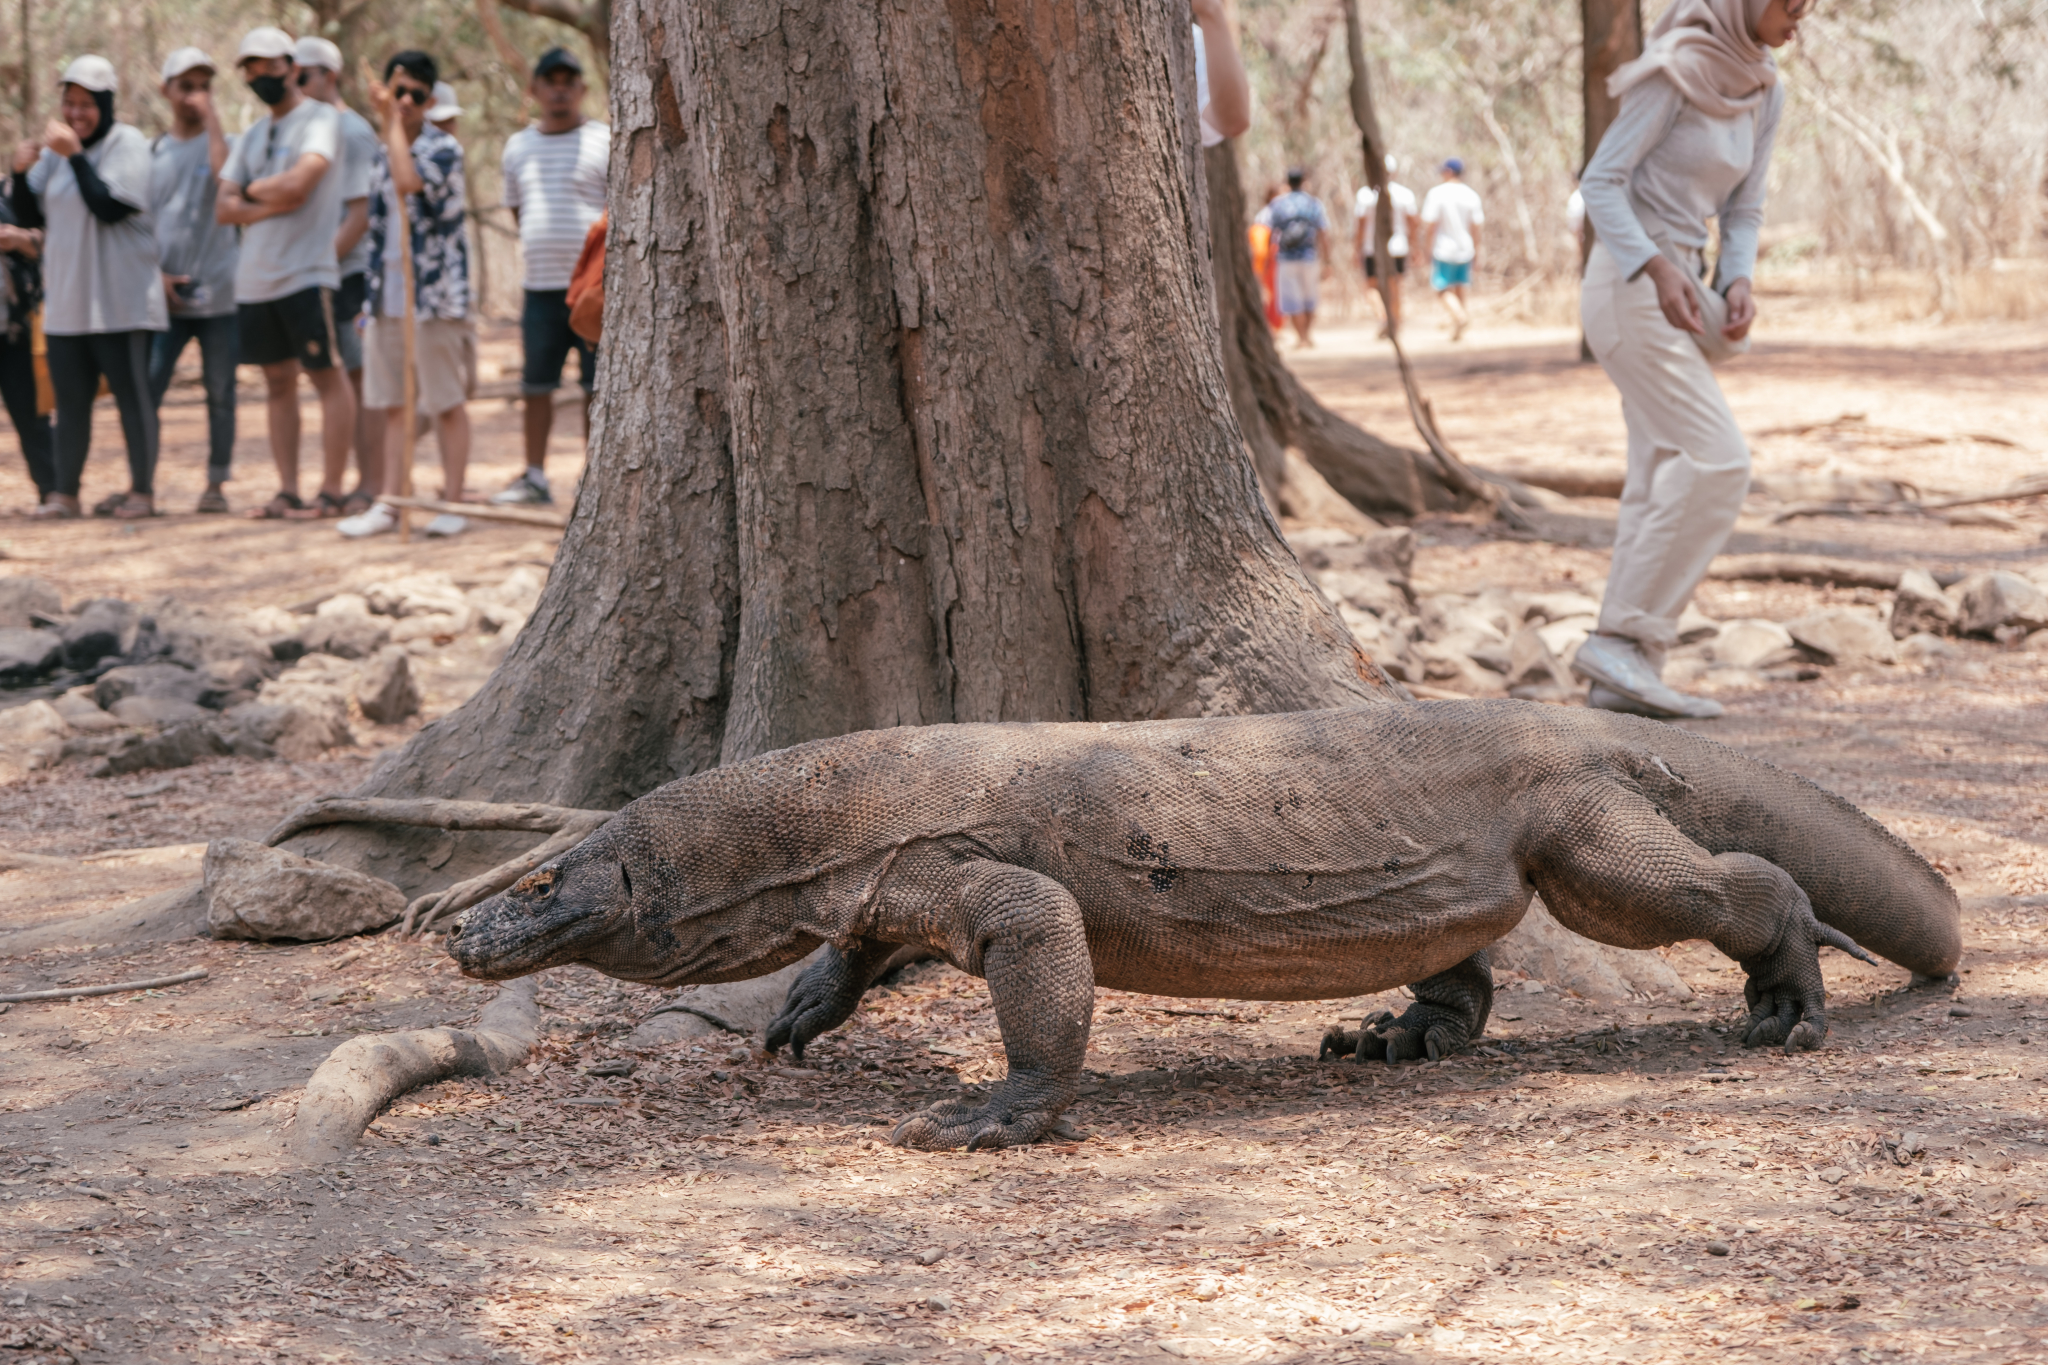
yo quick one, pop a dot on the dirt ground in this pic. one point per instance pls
(1598, 1181)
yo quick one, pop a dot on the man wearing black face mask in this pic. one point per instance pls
(281, 188)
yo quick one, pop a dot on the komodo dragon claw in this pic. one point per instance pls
(1786, 994)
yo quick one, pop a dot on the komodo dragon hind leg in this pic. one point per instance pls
(1450, 1010)
(1024, 934)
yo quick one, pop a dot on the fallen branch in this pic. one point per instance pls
(484, 510)
(706, 1015)
(1818, 569)
(74, 992)
(431, 812)
(424, 912)
(367, 1073)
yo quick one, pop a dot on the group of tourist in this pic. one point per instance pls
(281, 248)
(1294, 227)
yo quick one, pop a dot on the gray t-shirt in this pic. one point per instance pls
(360, 149)
(293, 251)
(191, 241)
(99, 277)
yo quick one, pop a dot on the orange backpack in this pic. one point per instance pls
(586, 285)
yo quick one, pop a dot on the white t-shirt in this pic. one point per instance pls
(1454, 207)
(1210, 137)
(99, 277)
(360, 148)
(557, 182)
(294, 251)
(1575, 213)
(1367, 204)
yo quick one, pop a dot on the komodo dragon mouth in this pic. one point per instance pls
(1314, 855)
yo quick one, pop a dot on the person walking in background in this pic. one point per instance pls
(1364, 241)
(1453, 214)
(425, 165)
(21, 293)
(1692, 140)
(555, 186)
(319, 64)
(281, 188)
(1298, 221)
(446, 113)
(197, 256)
(87, 186)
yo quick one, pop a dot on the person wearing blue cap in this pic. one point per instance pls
(1452, 213)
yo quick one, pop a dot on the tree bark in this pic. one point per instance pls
(1613, 35)
(1273, 408)
(912, 411)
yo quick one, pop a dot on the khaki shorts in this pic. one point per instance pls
(444, 351)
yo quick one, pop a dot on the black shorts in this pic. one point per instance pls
(1372, 266)
(547, 337)
(296, 327)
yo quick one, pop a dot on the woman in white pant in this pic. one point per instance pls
(1699, 113)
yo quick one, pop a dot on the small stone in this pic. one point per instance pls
(1920, 606)
(1695, 625)
(23, 598)
(156, 712)
(1960, 1011)
(1845, 635)
(106, 626)
(31, 737)
(83, 714)
(939, 1303)
(1208, 1291)
(385, 688)
(178, 746)
(343, 626)
(26, 655)
(1753, 643)
(737, 1056)
(1392, 552)
(1717, 1248)
(931, 1256)
(1926, 648)
(257, 892)
(1999, 598)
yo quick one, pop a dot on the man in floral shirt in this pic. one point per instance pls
(425, 165)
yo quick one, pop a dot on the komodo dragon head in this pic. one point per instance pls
(616, 903)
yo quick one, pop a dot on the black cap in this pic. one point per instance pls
(556, 59)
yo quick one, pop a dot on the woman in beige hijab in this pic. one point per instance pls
(1699, 113)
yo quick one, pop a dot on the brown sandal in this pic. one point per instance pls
(110, 504)
(282, 507)
(56, 507)
(135, 507)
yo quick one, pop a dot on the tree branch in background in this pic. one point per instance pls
(592, 20)
(1451, 469)
(494, 28)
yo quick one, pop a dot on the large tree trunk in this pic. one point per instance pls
(1273, 407)
(1611, 33)
(911, 412)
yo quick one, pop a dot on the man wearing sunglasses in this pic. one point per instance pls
(423, 164)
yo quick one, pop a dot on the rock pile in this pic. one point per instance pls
(126, 686)
(1504, 643)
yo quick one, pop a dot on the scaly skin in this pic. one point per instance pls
(1283, 857)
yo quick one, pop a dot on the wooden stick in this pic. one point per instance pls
(487, 511)
(74, 992)
(409, 428)
(1821, 569)
(431, 812)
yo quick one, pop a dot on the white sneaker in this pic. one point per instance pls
(446, 524)
(1628, 683)
(375, 522)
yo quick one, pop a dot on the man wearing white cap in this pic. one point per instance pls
(446, 109)
(319, 64)
(280, 186)
(199, 256)
(87, 184)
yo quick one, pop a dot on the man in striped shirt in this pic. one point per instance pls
(555, 187)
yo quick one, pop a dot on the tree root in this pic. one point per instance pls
(1823, 570)
(74, 992)
(567, 825)
(365, 1074)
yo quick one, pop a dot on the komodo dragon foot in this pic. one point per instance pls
(1787, 996)
(1450, 1010)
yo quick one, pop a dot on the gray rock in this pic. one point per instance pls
(84, 715)
(1695, 625)
(106, 626)
(163, 681)
(1845, 635)
(227, 650)
(32, 736)
(299, 722)
(180, 746)
(385, 688)
(26, 655)
(1999, 598)
(1925, 647)
(1363, 588)
(1532, 667)
(1542, 608)
(1753, 643)
(1392, 552)
(1920, 605)
(257, 892)
(22, 598)
(347, 634)
(156, 712)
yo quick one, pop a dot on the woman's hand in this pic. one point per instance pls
(1675, 296)
(60, 138)
(1741, 311)
(25, 153)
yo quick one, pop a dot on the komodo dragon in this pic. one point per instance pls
(1302, 856)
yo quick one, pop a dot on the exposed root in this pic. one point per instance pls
(431, 812)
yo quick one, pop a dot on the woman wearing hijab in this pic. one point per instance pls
(87, 186)
(21, 291)
(1699, 113)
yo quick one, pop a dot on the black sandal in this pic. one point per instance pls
(283, 507)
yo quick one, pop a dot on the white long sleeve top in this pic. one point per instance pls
(1683, 167)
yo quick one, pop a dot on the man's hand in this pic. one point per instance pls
(1741, 311)
(1675, 296)
(21, 241)
(382, 102)
(25, 153)
(59, 138)
(171, 283)
(202, 104)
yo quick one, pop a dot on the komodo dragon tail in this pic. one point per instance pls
(1862, 879)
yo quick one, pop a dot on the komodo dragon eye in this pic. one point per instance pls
(537, 884)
